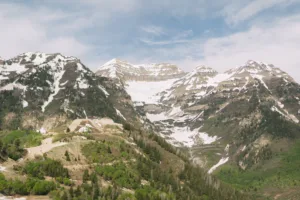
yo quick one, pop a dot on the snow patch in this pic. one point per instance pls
(221, 162)
(85, 114)
(281, 105)
(57, 77)
(14, 85)
(120, 114)
(176, 111)
(42, 131)
(14, 67)
(244, 148)
(260, 77)
(147, 92)
(157, 117)
(287, 115)
(2, 168)
(82, 83)
(188, 137)
(25, 103)
(103, 90)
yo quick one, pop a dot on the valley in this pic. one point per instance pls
(148, 131)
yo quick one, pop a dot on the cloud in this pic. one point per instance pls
(21, 34)
(181, 37)
(153, 30)
(239, 12)
(276, 43)
(163, 42)
(184, 34)
(175, 31)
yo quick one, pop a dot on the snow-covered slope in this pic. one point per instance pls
(197, 82)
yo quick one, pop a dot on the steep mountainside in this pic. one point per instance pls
(52, 88)
(241, 118)
(104, 163)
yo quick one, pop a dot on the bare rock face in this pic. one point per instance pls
(125, 71)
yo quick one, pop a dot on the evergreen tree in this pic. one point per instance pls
(85, 176)
(67, 156)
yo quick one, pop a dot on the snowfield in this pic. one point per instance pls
(188, 137)
(147, 92)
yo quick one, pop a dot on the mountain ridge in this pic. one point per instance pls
(125, 71)
(58, 85)
(182, 109)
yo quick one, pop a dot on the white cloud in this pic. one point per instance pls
(111, 5)
(178, 38)
(241, 11)
(163, 42)
(276, 43)
(50, 29)
(29, 32)
(184, 34)
(153, 30)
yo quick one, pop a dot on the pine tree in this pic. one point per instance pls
(85, 176)
(67, 156)
(71, 191)
(96, 192)
(108, 150)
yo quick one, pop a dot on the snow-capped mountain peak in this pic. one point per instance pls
(252, 67)
(113, 62)
(205, 69)
(125, 71)
(54, 83)
(257, 70)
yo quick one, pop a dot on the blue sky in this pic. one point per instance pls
(221, 34)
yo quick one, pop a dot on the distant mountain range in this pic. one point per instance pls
(210, 112)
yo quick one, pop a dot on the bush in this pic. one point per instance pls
(127, 127)
(47, 167)
(43, 187)
(34, 186)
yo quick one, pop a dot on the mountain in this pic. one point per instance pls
(67, 133)
(125, 71)
(138, 129)
(236, 122)
(44, 90)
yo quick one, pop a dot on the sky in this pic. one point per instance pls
(221, 34)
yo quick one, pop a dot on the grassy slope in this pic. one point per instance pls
(27, 138)
(270, 177)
